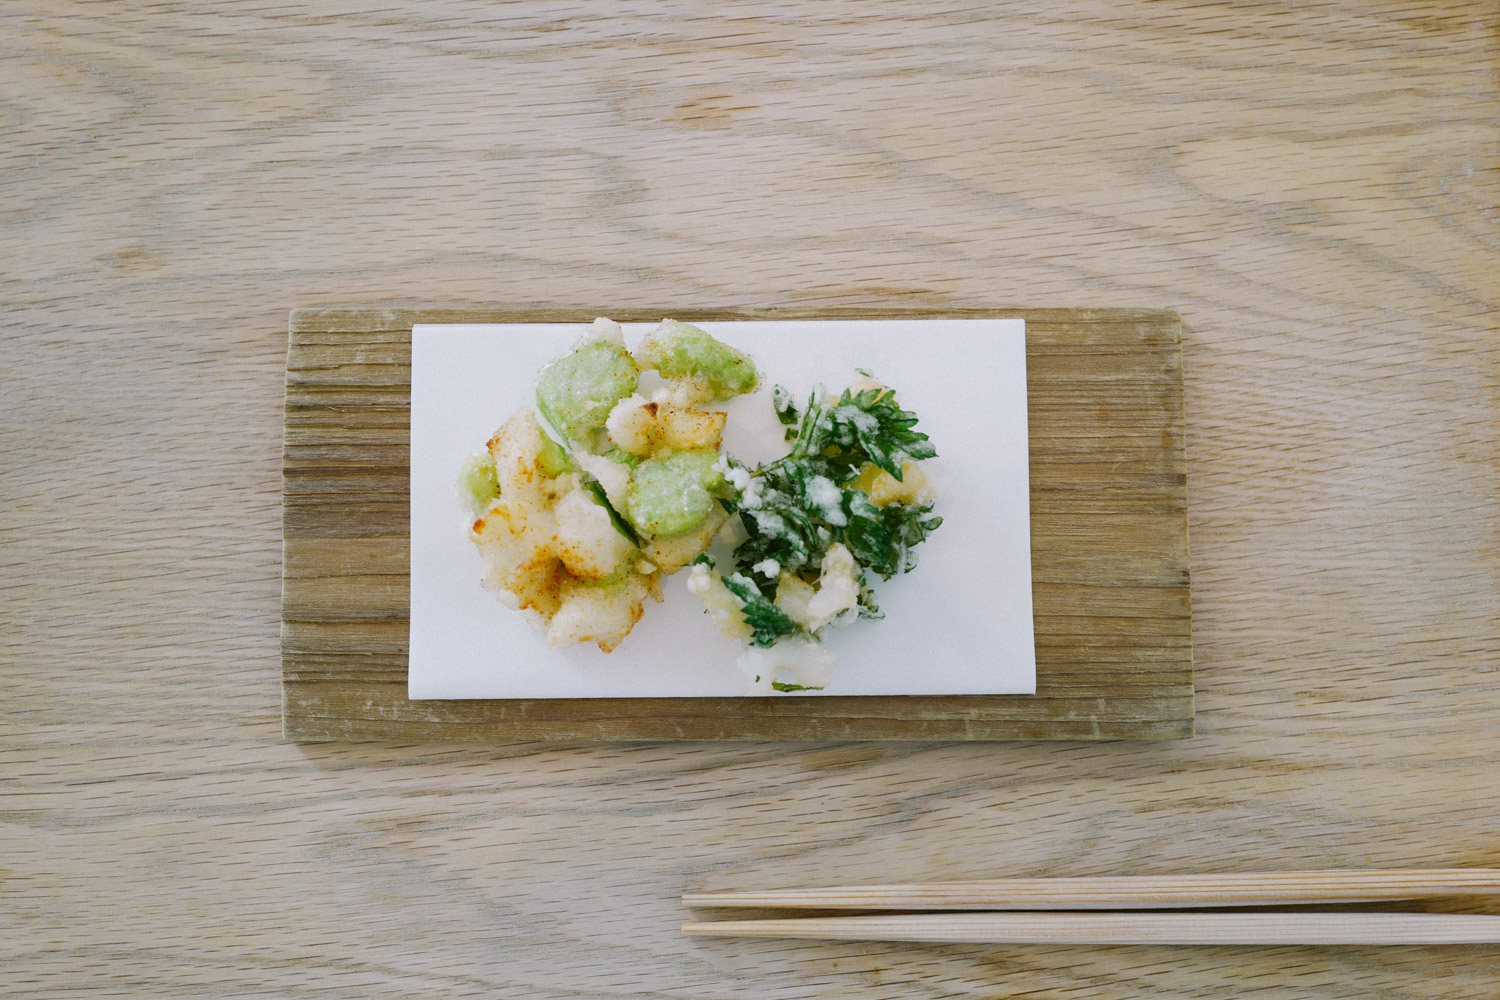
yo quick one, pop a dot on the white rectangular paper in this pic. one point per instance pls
(960, 623)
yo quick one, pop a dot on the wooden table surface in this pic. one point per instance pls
(1314, 187)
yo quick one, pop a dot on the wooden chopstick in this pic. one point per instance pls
(1127, 892)
(1128, 928)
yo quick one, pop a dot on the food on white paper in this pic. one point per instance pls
(702, 367)
(585, 501)
(851, 500)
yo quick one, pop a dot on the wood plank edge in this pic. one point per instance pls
(400, 314)
(305, 729)
(308, 720)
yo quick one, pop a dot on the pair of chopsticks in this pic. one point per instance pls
(1126, 910)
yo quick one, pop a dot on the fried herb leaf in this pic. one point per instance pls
(867, 425)
(885, 541)
(786, 409)
(768, 622)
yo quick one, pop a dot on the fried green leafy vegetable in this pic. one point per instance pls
(786, 411)
(849, 502)
(767, 621)
(671, 494)
(576, 392)
(796, 508)
(859, 427)
(682, 351)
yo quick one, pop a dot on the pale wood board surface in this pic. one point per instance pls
(1111, 595)
(1313, 186)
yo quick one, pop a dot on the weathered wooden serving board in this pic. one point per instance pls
(1108, 534)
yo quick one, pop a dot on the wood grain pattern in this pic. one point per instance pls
(1312, 185)
(1111, 597)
